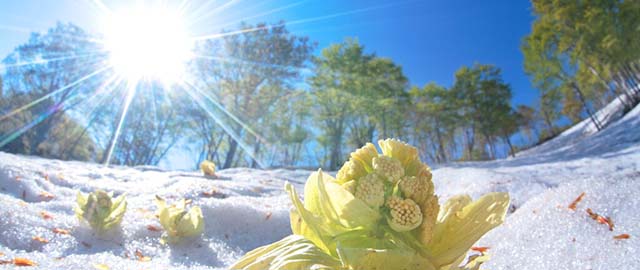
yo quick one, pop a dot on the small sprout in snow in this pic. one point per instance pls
(178, 222)
(100, 209)
(208, 168)
(575, 202)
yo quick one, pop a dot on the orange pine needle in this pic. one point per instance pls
(60, 231)
(23, 262)
(45, 215)
(46, 195)
(622, 236)
(153, 228)
(575, 202)
(40, 239)
(480, 249)
(141, 257)
(213, 193)
(600, 219)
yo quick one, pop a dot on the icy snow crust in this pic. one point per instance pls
(249, 208)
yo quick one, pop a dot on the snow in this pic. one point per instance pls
(249, 207)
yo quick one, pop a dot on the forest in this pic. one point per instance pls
(264, 98)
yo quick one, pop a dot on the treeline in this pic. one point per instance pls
(581, 55)
(258, 99)
(261, 98)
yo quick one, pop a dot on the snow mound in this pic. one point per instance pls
(583, 138)
(545, 234)
(243, 209)
(247, 208)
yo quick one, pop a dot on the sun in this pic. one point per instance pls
(147, 43)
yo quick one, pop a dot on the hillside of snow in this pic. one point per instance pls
(246, 208)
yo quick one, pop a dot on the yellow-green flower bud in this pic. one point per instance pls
(365, 154)
(100, 210)
(339, 225)
(208, 168)
(405, 214)
(388, 167)
(416, 188)
(178, 222)
(430, 208)
(351, 170)
(358, 165)
(370, 189)
(350, 186)
(399, 150)
(416, 167)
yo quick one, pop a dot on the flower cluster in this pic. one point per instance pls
(395, 183)
(179, 222)
(100, 210)
(380, 212)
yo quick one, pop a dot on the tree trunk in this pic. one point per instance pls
(469, 134)
(256, 149)
(586, 106)
(611, 89)
(233, 147)
(335, 154)
(547, 120)
(441, 154)
(512, 150)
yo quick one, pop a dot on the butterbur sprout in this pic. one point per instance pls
(380, 212)
(178, 222)
(100, 210)
(208, 168)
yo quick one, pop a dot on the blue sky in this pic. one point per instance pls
(429, 39)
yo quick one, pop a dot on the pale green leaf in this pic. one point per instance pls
(459, 230)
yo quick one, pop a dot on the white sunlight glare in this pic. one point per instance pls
(148, 43)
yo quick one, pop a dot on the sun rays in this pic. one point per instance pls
(153, 42)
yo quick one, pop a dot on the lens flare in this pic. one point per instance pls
(148, 43)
